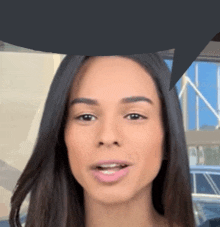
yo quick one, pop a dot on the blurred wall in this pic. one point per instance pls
(25, 79)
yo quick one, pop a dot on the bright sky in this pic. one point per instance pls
(208, 87)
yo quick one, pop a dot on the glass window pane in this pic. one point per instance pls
(216, 179)
(191, 182)
(202, 185)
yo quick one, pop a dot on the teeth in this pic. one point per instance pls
(108, 172)
(112, 165)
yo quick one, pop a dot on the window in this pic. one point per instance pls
(216, 179)
(202, 185)
(192, 183)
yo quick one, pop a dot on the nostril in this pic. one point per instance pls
(109, 144)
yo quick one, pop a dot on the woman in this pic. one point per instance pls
(102, 109)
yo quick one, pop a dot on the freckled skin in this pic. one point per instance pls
(140, 141)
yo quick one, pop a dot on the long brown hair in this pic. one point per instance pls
(56, 198)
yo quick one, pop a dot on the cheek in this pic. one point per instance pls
(149, 137)
(149, 144)
(77, 150)
(77, 141)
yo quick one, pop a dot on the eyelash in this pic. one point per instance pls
(143, 117)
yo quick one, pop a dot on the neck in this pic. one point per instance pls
(138, 211)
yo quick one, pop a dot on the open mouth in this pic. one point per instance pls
(110, 173)
(111, 168)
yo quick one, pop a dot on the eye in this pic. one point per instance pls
(85, 117)
(135, 116)
(89, 117)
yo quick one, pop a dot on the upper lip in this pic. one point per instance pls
(124, 162)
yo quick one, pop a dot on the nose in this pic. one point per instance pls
(108, 134)
(108, 144)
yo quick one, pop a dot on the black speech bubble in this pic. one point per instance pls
(184, 55)
(113, 29)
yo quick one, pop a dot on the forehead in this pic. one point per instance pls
(112, 76)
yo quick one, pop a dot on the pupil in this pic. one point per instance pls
(134, 116)
(87, 117)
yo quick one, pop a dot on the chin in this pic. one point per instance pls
(109, 195)
(112, 199)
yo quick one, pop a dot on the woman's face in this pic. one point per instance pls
(114, 130)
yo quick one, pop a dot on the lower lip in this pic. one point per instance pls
(111, 177)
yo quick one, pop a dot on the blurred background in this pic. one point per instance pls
(25, 78)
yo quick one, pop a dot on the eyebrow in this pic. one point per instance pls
(126, 100)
